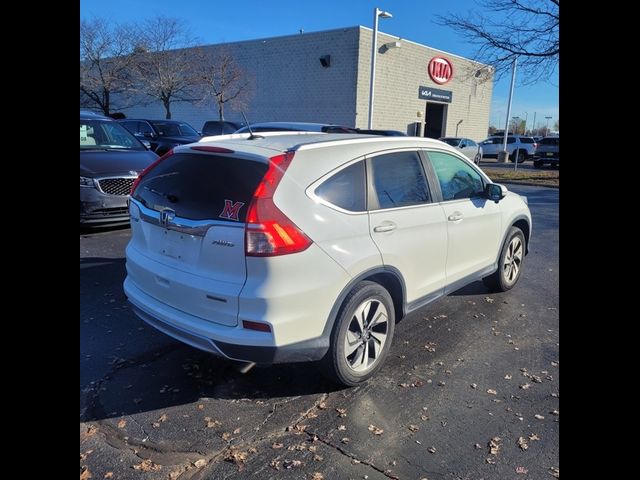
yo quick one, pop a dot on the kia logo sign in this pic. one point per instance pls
(440, 70)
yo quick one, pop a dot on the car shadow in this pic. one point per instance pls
(128, 367)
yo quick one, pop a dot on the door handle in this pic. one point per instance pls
(386, 227)
(455, 216)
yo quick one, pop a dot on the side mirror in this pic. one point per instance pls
(149, 135)
(495, 191)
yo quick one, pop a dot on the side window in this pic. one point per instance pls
(144, 127)
(131, 126)
(471, 143)
(399, 180)
(511, 140)
(346, 189)
(456, 177)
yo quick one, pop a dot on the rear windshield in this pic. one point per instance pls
(202, 187)
(175, 129)
(526, 140)
(550, 141)
(454, 142)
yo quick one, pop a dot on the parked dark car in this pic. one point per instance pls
(547, 153)
(110, 161)
(386, 133)
(218, 127)
(162, 134)
(297, 127)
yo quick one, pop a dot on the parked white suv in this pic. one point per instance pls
(519, 147)
(288, 247)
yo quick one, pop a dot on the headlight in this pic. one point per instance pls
(87, 182)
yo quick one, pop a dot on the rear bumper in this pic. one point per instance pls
(232, 343)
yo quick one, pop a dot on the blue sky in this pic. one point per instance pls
(215, 21)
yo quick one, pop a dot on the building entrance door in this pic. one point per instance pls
(435, 120)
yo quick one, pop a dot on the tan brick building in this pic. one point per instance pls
(325, 77)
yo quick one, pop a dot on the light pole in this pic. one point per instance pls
(534, 120)
(546, 130)
(526, 115)
(516, 125)
(374, 46)
(504, 155)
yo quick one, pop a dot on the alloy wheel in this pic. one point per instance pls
(513, 260)
(366, 335)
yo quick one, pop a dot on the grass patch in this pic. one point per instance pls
(545, 178)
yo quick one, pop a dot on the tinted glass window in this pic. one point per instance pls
(510, 140)
(346, 189)
(471, 143)
(399, 180)
(456, 177)
(200, 186)
(144, 127)
(550, 141)
(131, 126)
(174, 129)
(454, 142)
(526, 140)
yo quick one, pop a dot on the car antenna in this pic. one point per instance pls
(252, 136)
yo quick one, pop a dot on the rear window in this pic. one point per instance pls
(454, 142)
(550, 141)
(202, 187)
(218, 128)
(526, 140)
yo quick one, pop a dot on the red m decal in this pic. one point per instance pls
(231, 210)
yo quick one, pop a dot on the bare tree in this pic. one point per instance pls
(167, 67)
(526, 29)
(106, 57)
(223, 80)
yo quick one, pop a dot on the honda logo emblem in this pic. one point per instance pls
(166, 216)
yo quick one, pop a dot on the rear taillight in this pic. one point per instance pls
(269, 232)
(148, 169)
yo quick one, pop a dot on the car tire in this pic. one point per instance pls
(361, 336)
(538, 164)
(477, 159)
(521, 156)
(509, 263)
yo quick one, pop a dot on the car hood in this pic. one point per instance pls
(96, 162)
(177, 139)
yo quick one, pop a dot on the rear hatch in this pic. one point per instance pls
(189, 231)
(549, 148)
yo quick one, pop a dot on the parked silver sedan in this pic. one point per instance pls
(468, 147)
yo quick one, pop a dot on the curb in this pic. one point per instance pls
(530, 184)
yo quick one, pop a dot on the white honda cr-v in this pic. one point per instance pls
(310, 247)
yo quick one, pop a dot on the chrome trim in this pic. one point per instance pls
(117, 177)
(198, 228)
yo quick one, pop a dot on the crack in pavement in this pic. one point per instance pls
(273, 411)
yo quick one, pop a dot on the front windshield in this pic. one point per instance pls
(177, 129)
(105, 134)
(454, 142)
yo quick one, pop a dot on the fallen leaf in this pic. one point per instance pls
(291, 463)
(431, 449)
(200, 406)
(430, 347)
(522, 443)
(522, 470)
(554, 412)
(318, 458)
(277, 445)
(477, 446)
(491, 391)
(108, 475)
(488, 299)
(555, 472)
(413, 428)
(317, 476)
(275, 464)
(342, 428)
(442, 383)
(555, 364)
(424, 417)
(322, 405)
(200, 463)
(211, 423)
(474, 385)
(375, 430)
(226, 436)
(236, 456)
(236, 431)
(147, 466)
(536, 378)
(91, 431)
(494, 445)
(85, 454)
(342, 412)
(85, 474)
(122, 423)
(508, 377)
(539, 417)
(533, 437)
(525, 386)
(311, 414)
(345, 440)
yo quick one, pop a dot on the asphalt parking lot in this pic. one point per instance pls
(470, 390)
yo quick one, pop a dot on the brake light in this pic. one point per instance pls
(269, 232)
(213, 149)
(148, 169)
